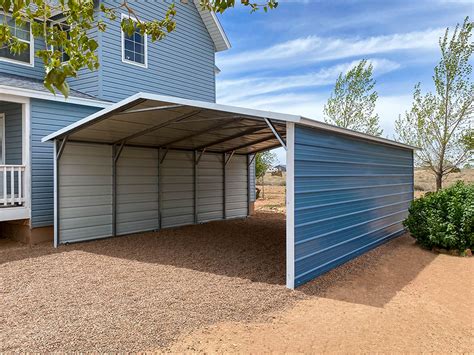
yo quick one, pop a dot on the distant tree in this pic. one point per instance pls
(65, 28)
(352, 102)
(263, 161)
(440, 123)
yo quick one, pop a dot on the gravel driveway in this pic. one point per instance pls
(219, 287)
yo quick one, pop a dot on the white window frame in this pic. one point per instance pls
(32, 49)
(2, 137)
(56, 22)
(145, 43)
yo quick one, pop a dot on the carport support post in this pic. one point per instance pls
(58, 151)
(56, 196)
(290, 205)
(248, 185)
(115, 156)
(195, 178)
(224, 187)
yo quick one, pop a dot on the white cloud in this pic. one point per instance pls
(246, 87)
(314, 49)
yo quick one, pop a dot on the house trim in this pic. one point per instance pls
(27, 93)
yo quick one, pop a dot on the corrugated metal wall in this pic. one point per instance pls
(177, 179)
(137, 190)
(86, 189)
(85, 192)
(210, 187)
(236, 187)
(350, 196)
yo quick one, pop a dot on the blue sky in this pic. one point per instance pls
(288, 59)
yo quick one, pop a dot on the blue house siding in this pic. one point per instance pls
(88, 81)
(47, 117)
(350, 196)
(181, 65)
(13, 132)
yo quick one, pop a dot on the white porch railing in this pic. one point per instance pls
(12, 191)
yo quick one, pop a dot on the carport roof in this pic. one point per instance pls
(159, 121)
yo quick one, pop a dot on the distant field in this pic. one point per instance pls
(274, 196)
(425, 181)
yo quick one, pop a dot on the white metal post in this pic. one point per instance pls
(290, 205)
(56, 196)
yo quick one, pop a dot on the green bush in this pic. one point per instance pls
(444, 219)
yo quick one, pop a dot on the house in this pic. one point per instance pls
(281, 168)
(182, 65)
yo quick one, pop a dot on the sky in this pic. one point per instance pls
(287, 60)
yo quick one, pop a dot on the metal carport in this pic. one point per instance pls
(151, 162)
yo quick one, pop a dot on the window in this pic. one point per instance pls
(66, 28)
(23, 33)
(134, 48)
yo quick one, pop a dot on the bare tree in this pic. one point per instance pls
(440, 123)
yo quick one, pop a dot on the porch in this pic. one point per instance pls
(14, 182)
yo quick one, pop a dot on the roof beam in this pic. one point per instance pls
(275, 132)
(248, 144)
(198, 133)
(158, 126)
(237, 135)
(147, 109)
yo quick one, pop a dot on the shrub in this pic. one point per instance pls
(444, 219)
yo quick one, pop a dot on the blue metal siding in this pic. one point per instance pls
(13, 132)
(350, 196)
(181, 65)
(47, 117)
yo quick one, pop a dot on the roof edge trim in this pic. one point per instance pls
(14, 91)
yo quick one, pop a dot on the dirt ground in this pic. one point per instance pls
(219, 287)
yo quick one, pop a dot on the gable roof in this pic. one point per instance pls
(150, 109)
(218, 36)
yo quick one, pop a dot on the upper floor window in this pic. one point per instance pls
(64, 28)
(134, 48)
(23, 33)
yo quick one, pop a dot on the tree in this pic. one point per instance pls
(352, 103)
(440, 123)
(263, 161)
(71, 35)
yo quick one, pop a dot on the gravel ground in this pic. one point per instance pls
(219, 287)
(397, 298)
(141, 292)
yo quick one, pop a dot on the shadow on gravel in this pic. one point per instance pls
(252, 248)
(374, 278)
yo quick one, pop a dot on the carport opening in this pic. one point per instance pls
(182, 172)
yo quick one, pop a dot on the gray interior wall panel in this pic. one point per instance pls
(236, 183)
(177, 171)
(137, 190)
(86, 183)
(210, 187)
(253, 192)
(85, 192)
